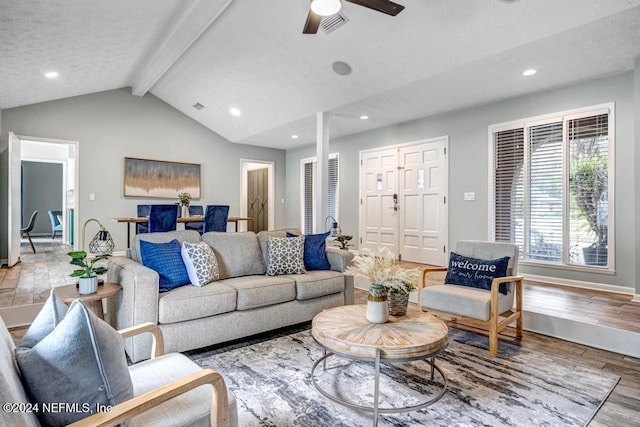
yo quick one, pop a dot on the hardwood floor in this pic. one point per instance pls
(30, 281)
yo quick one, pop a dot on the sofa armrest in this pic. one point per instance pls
(339, 259)
(137, 303)
(153, 398)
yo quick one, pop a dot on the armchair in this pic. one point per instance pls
(491, 308)
(56, 226)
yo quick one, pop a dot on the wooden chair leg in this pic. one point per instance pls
(519, 308)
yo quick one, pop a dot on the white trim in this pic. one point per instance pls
(246, 166)
(627, 290)
(636, 298)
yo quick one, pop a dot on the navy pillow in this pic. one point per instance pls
(315, 257)
(477, 273)
(166, 259)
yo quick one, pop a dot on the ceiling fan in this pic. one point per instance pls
(321, 8)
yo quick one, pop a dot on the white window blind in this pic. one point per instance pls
(333, 196)
(551, 190)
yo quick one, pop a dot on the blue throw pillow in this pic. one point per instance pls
(477, 273)
(315, 257)
(166, 259)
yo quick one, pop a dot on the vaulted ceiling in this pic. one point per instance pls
(435, 56)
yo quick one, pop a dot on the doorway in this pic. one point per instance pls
(47, 166)
(403, 200)
(257, 199)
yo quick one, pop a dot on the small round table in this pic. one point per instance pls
(93, 301)
(345, 331)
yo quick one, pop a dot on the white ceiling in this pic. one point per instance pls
(435, 56)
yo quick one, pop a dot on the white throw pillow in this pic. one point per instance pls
(201, 263)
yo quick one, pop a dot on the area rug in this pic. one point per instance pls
(272, 383)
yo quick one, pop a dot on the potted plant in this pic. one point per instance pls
(343, 240)
(384, 273)
(588, 185)
(185, 201)
(88, 272)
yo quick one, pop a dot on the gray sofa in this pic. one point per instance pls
(245, 301)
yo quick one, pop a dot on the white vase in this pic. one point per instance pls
(185, 212)
(377, 304)
(88, 285)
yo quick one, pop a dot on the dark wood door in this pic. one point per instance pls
(258, 199)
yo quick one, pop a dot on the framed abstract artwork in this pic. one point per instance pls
(162, 179)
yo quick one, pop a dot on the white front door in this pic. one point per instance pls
(422, 205)
(403, 193)
(378, 193)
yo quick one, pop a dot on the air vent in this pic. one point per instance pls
(333, 22)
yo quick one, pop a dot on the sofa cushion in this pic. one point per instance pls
(11, 390)
(181, 236)
(191, 302)
(200, 262)
(286, 255)
(238, 254)
(318, 283)
(81, 362)
(463, 300)
(476, 273)
(264, 235)
(315, 247)
(260, 291)
(166, 260)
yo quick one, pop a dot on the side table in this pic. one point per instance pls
(68, 293)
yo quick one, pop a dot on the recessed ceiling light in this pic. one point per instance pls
(529, 72)
(294, 136)
(364, 117)
(235, 111)
(51, 75)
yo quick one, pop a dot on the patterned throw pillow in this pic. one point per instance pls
(285, 255)
(315, 256)
(200, 262)
(166, 260)
(476, 273)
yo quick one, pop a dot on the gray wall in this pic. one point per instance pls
(114, 124)
(41, 191)
(468, 148)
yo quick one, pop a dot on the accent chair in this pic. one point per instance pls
(55, 222)
(215, 218)
(24, 231)
(460, 297)
(198, 226)
(143, 211)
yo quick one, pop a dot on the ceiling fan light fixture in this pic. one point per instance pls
(325, 7)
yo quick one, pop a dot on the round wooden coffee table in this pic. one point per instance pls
(344, 331)
(93, 301)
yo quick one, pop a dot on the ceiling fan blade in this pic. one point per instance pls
(312, 24)
(384, 6)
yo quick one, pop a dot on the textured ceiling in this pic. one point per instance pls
(435, 56)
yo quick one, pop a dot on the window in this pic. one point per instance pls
(551, 187)
(308, 172)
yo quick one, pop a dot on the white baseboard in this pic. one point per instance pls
(581, 284)
(636, 298)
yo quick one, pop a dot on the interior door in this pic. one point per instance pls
(14, 213)
(378, 197)
(422, 205)
(258, 199)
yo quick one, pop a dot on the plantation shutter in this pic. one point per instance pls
(545, 192)
(509, 186)
(332, 199)
(308, 198)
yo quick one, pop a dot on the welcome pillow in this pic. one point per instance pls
(200, 262)
(476, 273)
